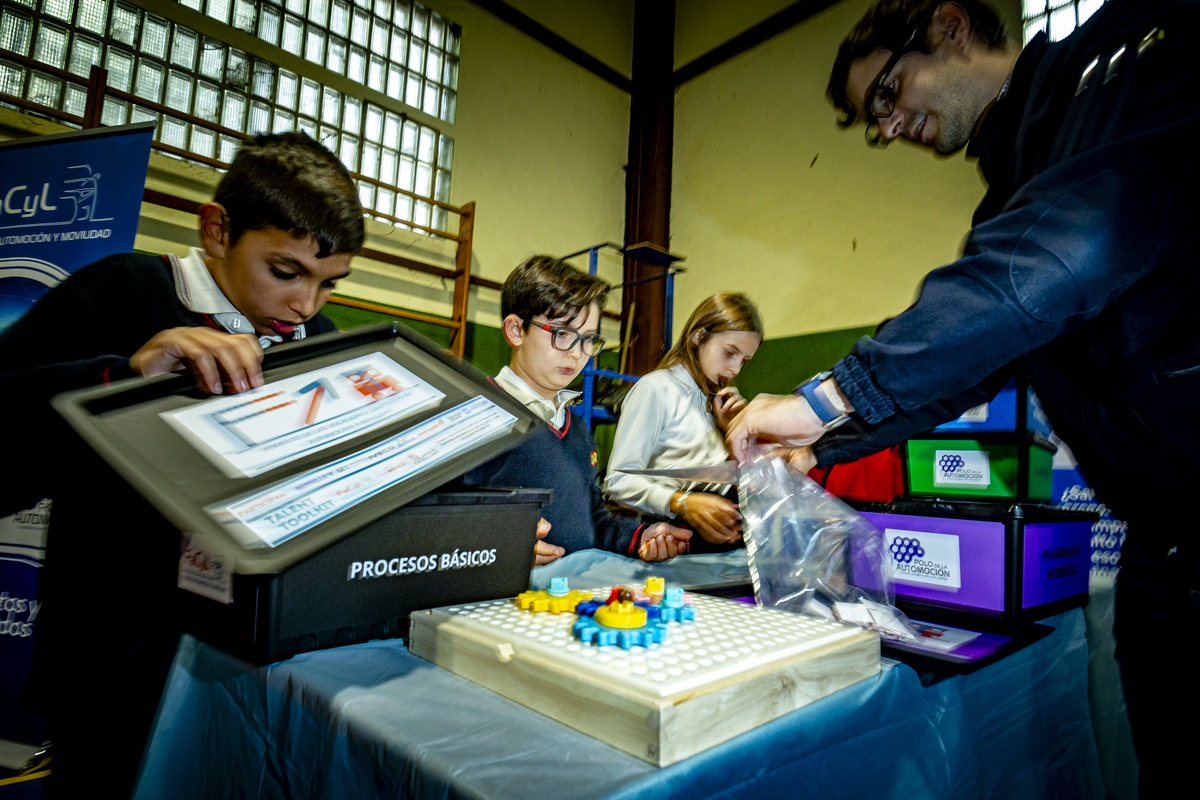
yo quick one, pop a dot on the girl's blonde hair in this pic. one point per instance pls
(721, 313)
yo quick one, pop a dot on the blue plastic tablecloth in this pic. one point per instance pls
(372, 720)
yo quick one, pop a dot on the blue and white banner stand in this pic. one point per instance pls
(66, 200)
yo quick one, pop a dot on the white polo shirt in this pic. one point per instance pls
(665, 424)
(199, 292)
(553, 412)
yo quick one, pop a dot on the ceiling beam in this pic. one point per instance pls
(558, 44)
(771, 26)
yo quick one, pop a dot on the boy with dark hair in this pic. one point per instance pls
(277, 237)
(551, 319)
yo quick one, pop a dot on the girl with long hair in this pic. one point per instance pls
(676, 416)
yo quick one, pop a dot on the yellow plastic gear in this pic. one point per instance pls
(621, 615)
(543, 601)
(655, 585)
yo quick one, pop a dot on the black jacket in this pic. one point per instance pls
(1079, 265)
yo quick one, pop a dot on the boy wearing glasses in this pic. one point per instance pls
(551, 319)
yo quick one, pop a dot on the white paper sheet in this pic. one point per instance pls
(275, 514)
(250, 433)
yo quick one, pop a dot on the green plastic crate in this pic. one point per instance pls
(923, 469)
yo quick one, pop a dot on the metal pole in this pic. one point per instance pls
(588, 378)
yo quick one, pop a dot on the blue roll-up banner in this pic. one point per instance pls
(66, 200)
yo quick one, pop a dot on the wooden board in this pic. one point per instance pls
(735, 668)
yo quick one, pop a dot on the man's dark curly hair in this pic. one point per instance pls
(887, 25)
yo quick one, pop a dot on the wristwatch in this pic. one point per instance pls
(826, 412)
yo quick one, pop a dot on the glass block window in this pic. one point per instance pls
(399, 47)
(1057, 17)
(395, 46)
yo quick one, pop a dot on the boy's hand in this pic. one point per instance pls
(213, 357)
(661, 541)
(543, 552)
(715, 518)
(726, 405)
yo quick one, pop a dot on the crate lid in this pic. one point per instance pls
(185, 479)
(999, 510)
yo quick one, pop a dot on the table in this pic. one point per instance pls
(372, 720)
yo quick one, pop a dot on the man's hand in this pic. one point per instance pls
(715, 518)
(661, 541)
(214, 358)
(786, 419)
(801, 458)
(727, 404)
(543, 552)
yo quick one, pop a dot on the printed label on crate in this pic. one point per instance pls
(205, 572)
(926, 558)
(961, 468)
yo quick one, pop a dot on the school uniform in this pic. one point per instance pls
(560, 456)
(109, 625)
(666, 423)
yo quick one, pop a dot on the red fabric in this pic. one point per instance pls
(878, 478)
(636, 534)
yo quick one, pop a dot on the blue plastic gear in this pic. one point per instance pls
(588, 630)
(588, 608)
(668, 614)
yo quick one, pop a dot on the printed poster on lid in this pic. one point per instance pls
(253, 432)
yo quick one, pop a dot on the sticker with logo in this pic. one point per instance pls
(961, 468)
(926, 558)
(595, 459)
(205, 571)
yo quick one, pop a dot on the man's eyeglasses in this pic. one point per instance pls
(565, 339)
(880, 101)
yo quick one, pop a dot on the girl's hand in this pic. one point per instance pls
(726, 405)
(543, 552)
(661, 541)
(716, 519)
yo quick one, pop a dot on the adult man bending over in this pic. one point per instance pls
(1078, 267)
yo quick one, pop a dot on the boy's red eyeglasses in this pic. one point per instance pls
(565, 338)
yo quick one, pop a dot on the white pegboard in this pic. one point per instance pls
(727, 638)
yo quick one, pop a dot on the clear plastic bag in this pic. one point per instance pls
(811, 553)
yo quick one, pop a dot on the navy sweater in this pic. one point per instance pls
(565, 461)
(81, 333)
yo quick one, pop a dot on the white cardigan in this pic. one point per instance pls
(665, 423)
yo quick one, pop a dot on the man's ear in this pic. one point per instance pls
(951, 24)
(514, 330)
(214, 232)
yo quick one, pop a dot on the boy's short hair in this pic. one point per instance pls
(290, 182)
(550, 287)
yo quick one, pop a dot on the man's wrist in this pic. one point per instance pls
(824, 400)
(833, 393)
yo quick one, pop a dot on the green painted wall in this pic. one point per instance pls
(780, 365)
(485, 346)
